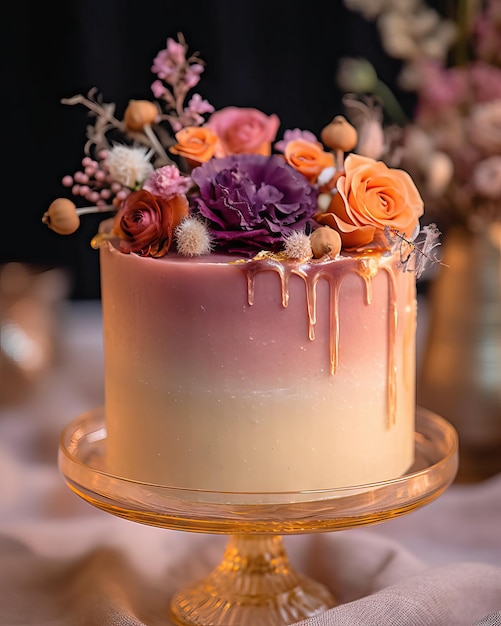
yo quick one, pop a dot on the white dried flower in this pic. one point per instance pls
(484, 127)
(410, 76)
(367, 117)
(369, 10)
(397, 41)
(416, 252)
(326, 175)
(193, 237)
(418, 145)
(129, 166)
(404, 6)
(438, 43)
(324, 201)
(430, 239)
(438, 174)
(371, 139)
(487, 177)
(297, 246)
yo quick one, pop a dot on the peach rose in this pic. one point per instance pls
(145, 223)
(371, 196)
(308, 158)
(197, 144)
(243, 130)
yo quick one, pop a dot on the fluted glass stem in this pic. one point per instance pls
(254, 584)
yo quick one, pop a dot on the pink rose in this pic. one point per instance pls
(244, 130)
(370, 197)
(145, 223)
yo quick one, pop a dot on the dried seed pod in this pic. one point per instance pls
(325, 241)
(339, 135)
(139, 113)
(62, 217)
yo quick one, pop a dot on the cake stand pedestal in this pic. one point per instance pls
(255, 583)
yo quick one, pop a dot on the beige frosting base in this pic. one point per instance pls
(260, 376)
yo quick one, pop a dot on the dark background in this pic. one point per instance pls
(278, 56)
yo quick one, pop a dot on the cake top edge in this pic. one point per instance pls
(176, 176)
(375, 256)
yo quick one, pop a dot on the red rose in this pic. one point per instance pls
(145, 223)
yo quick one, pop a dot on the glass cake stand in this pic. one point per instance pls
(255, 583)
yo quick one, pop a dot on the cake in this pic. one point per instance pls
(258, 296)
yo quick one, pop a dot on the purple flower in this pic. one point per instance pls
(251, 202)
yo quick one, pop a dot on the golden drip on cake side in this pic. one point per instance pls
(366, 267)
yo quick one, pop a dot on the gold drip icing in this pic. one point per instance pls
(335, 272)
(392, 333)
(368, 269)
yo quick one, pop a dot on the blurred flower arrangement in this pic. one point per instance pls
(221, 181)
(452, 63)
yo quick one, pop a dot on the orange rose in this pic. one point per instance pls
(308, 158)
(371, 196)
(145, 223)
(243, 130)
(197, 144)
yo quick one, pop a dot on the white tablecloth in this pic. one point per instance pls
(65, 563)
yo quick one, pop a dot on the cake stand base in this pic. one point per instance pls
(254, 584)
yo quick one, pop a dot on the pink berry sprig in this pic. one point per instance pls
(94, 184)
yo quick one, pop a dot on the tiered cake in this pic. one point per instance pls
(259, 309)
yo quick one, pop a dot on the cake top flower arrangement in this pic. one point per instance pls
(451, 62)
(178, 176)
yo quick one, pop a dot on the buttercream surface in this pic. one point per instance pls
(258, 376)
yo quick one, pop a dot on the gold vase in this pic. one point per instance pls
(460, 372)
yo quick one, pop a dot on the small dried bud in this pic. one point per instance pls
(139, 113)
(339, 135)
(325, 241)
(62, 217)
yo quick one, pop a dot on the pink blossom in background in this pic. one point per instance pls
(484, 127)
(485, 81)
(441, 88)
(487, 177)
(487, 34)
(454, 73)
(292, 135)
